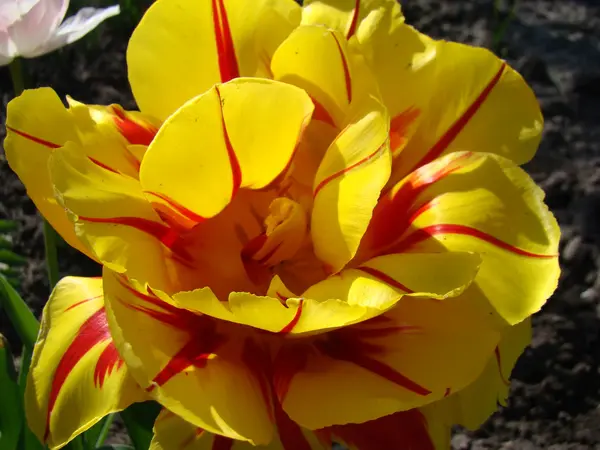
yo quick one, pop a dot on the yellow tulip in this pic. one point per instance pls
(315, 230)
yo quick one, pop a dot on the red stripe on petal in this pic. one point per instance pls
(332, 177)
(134, 132)
(347, 78)
(34, 139)
(109, 360)
(354, 23)
(178, 207)
(385, 278)
(349, 344)
(75, 305)
(392, 215)
(104, 166)
(166, 235)
(399, 126)
(449, 136)
(195, 353)
(236, 171)
(91, 333)
(434, 230)
(290, 326)
(320, 113)
(228, 64)
(499, 362)
(387, 372)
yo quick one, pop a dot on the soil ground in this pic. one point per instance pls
(556, 45)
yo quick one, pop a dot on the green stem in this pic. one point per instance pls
(51, 254)
(16, 74)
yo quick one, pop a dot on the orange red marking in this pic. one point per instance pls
(385, 278)
(354, 22)
(347, 78)
(425, 233)
(499, 362)
(134, 132)
(290, 326)
(449, 136)
(34, 139)
(92, 332)
(228, 64)
(345, 170)
(236, 171)
(104, 166)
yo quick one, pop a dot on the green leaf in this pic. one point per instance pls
(11, 406)
(19, 314)
(7, 225)
(139, 420)
(95, 436)
(11, 258)
(115, 447)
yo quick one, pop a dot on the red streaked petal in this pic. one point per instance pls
(94, 331)
(354, 22)
(357, 164)
(347, 78)
(33, 138)
(134, 132)
(435, 230)
(447, 138)
(228, 64)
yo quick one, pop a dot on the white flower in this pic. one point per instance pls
(31, 28)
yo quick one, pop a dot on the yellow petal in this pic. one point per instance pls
(495, 112)
(36, 124)
(346, 16)
(103, 135)
(76, 375)
(414, 354)
(173, 433)
(192, 364)
(482, 203)
(241, 134)
(348, 183)
(317, 60)
(350, 297)
(112, 216)
(472, 406)
(183, 47)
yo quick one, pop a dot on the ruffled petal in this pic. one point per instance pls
(114, 219)
(218, 143)
(348, 184)
(76, 375)
(181, 48)
(416, 353)
(481, 203)
(38, 124)
(173, 433)
(199, 368)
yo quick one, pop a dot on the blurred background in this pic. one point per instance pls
(555, 44)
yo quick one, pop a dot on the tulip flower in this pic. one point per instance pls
(31, 28)
(314, 230)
